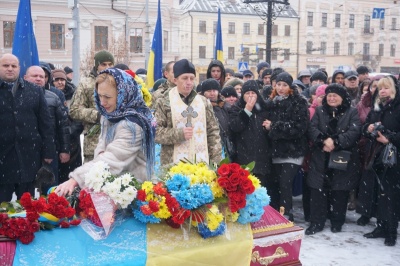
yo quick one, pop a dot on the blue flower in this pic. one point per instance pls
(178, 182)
(205, 232)
(194, 196)
(254, 208)
(139, 215)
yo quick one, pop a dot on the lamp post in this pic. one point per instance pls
(269, 16)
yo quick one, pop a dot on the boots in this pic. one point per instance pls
(379, 231)
(352, 201)
(363, 220)
(314, 228)
(390, 239)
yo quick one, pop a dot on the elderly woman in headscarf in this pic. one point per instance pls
(126, 142)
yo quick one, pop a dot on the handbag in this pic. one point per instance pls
(339, 160)
(389, 155)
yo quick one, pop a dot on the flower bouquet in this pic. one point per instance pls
(103, 201)
(20, 220)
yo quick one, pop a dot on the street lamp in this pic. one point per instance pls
(268, 17)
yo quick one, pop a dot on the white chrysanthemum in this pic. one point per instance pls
(97, 175)
(126, 179)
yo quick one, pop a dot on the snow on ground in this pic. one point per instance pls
(348, 247)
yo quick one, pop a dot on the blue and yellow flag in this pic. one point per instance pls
(24, 42)
(219, 53)
(154, 68)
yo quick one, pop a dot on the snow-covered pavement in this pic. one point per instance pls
(348, 247)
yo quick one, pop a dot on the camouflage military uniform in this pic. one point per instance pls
(162, 89)
(167, 136)
(83, 108)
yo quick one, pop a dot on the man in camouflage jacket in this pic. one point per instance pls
(167, 135)
(168, 84)
(83, 107)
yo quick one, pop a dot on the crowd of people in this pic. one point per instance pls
(331, 132)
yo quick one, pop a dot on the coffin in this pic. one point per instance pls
(276, 241)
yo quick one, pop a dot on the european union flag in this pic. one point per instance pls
(154, 68)
(219, 53)
(24, 42)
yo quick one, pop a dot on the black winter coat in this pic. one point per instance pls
(389, 116)
(289, 123)
(345, 132)
(26, 135)
(59, 120)
(250, 137)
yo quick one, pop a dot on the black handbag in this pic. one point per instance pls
(339, 160)
(389, 155)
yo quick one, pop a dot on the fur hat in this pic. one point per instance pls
(229, 91)
(319, 75)
(210, 84)
(183, 66)
(285, 77)
(101, 57)
(59, 74)
(338, 89)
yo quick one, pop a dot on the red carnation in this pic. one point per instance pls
(159, 189)
(26, 200)
(154, 206)
(32, 216)
(34, 227)
(26, 238)
(141, 195)
(75, 222)
(146, 209)
(224, 170)
(64, 224)
(171, 223)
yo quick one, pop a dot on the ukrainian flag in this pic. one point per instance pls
(219, 53)
(154, 68)
(24, 42)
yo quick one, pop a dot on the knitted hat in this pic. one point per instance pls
(230, 71)
(59, 74)
(250, 85)
(210, 84)
(238, 75)
(122, 66)
(338, 89)
(229, 91)
(247, 73)
(321, 90)
(68, 70)
(266, 72)
(319, 75)
(183, 66)
(285, 77)
(101, 57)
(276, 72)
(262, 65)
(141, 71)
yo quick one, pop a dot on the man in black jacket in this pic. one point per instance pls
(58, 118)
(26, 137)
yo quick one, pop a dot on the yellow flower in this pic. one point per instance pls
(147, 186)
(163, 213)
(214, 218)
(231, 217)
(256, 182)
(216, 189)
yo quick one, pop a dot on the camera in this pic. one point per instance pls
(377, 127)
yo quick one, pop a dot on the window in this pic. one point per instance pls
(136, 41)
(381, 49)
(274, 30)
(309, 47)
(351, 21)
(286, 55)
(8, 33)
(350, 48)
(382, 23)
(246, 28)
(214, 27)
(202, 26)
(366, 49)
(324, 21)
(231, 27)
(246, 52)
(261, 30)
(323, 47)
(202, 52)
(287, 30)
(310, 18)
(394, 22)
(231, 52)
(165, 40)
(393, 50)
(274, 54)
(337, 20)
(367, 23)
(260, 54)
(101, 37)
(336, 48)
(57, 36)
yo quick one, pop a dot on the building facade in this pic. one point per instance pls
(345, 34)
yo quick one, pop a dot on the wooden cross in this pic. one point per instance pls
(189, 113)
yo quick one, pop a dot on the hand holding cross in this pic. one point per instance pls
(189, 113)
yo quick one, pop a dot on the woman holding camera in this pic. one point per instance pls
(335, 128)
(383, 125)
